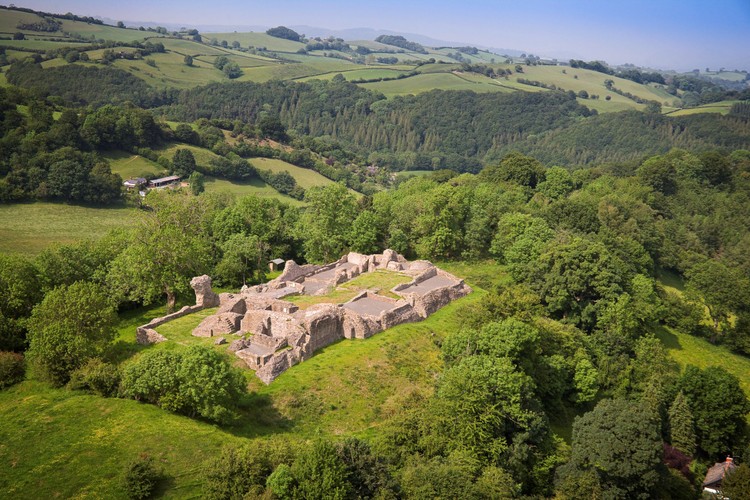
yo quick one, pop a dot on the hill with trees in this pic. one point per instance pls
(603, 351)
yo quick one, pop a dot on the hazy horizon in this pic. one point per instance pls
(666, 34)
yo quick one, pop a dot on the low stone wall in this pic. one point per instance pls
(142, 337)
(402, 313)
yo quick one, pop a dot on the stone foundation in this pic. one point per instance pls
(279, 335)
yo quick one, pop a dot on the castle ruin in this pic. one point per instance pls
(277, 334)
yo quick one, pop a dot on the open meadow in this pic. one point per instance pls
(28, 228)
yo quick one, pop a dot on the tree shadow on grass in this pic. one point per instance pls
(669, 339)
(163, 485)
(259, 417)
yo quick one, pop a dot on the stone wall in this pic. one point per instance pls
(142, 337)
(281, 335)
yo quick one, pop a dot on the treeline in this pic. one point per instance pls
(631, 74)
(85, 85)
(399, 41)
(284, 32)
(45, 24)
(628, 136)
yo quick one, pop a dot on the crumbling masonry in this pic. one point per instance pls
(282, 335)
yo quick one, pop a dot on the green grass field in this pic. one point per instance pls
(689, 350)
(202, 155)
(357, 74)
(130, 165)
(10, 18)
(103, 32)
(721, 107)
(28, 228)
(304, 176)
(256, 187)
(413, 173)
(306, 66)
(732, 76)
(426, 82)
(171, 71)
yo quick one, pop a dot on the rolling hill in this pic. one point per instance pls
(378, 66)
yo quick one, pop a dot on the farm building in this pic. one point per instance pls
(163, 181)
(135, 183)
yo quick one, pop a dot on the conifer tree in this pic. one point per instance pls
(681, 428)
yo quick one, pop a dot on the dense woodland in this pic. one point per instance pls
(438, 129)
(587, 217)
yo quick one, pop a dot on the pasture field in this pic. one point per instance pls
(686, 350)
(129, 165)
(97, 54)
(426, 82)
(190, 47)
(202, 155)
(243, 61)
(54, 63)
(357, 74)
(255, 187)
(721, 107)
(413, 173)
(409, 56)
(28, 228)
(104, 32)
(308, 66)
(304, 176)
(9, 20)
(732, 76)
(576, 79)
(171, 71)
(256, 39)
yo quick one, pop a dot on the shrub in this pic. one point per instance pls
(12, 368)
(242, 471)
(141, 477)
(196, 381)
(96, 376)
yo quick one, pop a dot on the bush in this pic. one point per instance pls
(196, 381)
(683, 315)
(241, 471)
(12, 368)
(98, 377)
(141, 477)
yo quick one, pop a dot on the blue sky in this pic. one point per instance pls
(667, 34)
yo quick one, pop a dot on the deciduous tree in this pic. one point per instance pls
(71, 325)
(617, 450)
